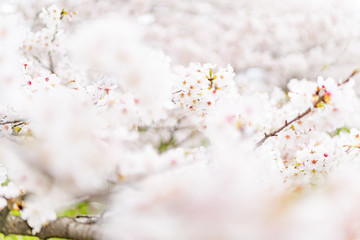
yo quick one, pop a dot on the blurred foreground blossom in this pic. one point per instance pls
(178, 120)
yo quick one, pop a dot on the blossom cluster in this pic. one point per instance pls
(90, 108)
(201, 87)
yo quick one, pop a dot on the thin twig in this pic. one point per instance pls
(356, 71)
(41, 63)
(51, 63)
(300, 116)
(12, 122)
(19, 124)
(275, 132)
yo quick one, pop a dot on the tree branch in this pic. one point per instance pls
(79, 228)
(301, 115)
(275, 132)
(356, 71)
(64, 227)
(51, 64)
(12, 122)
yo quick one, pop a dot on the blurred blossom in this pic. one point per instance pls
(156, 110)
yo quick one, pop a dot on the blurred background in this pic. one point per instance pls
(266, 40)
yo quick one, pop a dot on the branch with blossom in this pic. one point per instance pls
(319, 96)
(102, 120)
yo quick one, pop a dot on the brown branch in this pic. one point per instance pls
(64, 227)
(286, 124)
(275, 132)
(79, 228)
(356, 71)
(12, 122)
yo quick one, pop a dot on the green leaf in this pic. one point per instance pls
(19, 237)
(164, 146)
(5, 184)
(15, 212)
(338, 130)
(81, 208)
